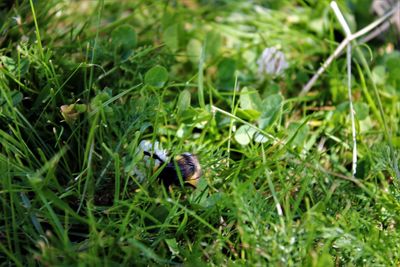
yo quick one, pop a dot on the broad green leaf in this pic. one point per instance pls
(250, 99)
(393, 67)
(342, 107)
(392, 60)
(379, 75)
(188, 116)
(226, 73)
(338, 90)
(297, 133)
(124, 37)
(366, 125)
(193, 50)
(271, 107)
(9, 63)
(214, 199)
(171, 37)
(249, 57)
(195, 115)
(362, 110)
(13, 67)
(316, 25)
(99, 99)
(244, 134)
(157, 76)
(213, 44)
(183, 101)
(16, 97)
(260, 138)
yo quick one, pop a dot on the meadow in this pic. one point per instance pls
(82, 83)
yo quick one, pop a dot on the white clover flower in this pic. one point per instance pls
(272, 62)
(149, 151)
(147, 146)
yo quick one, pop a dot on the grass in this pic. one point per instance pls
(82, 83)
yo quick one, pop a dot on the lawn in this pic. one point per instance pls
(83, 83)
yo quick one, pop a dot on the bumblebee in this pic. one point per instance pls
(185, 166)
